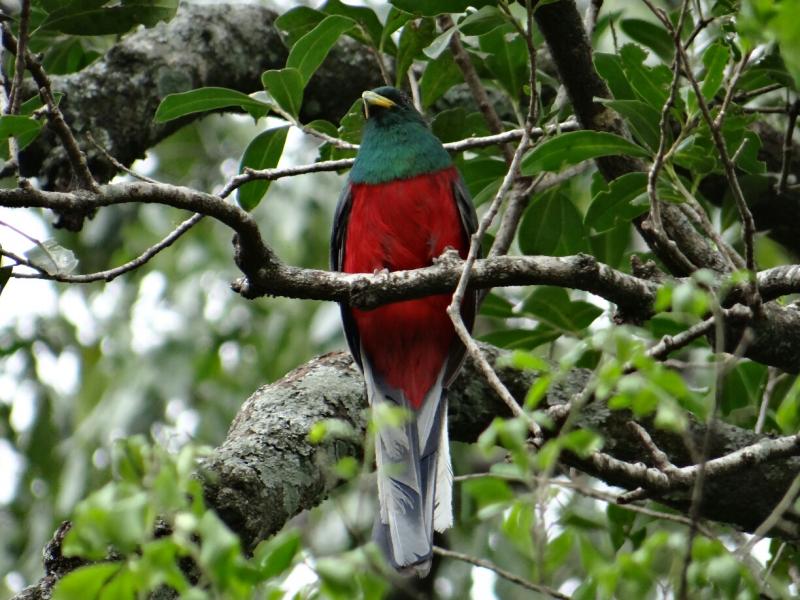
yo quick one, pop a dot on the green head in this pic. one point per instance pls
(397, 143)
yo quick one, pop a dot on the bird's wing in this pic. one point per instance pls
(469, 307)
(338, 237)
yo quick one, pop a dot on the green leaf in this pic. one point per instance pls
(439, 44)
(310, 50)
(80, 19)
(414, 37)
(431, 8)
(743, 387)
(24, 129)
(552, 226)
(507, 58)
(440, 75)
(482, 21)
(521, 339)
(610, 247)
(552, 307)
(263, 152)
(297, 22)
(369, 30)
(715, 59)
(650, 35)
(651, 84)
(614, 205)
(493, 306)
(643, 119)
(273, 557)
(610, 68)
(205, 99)
(85, 583)
(574, 147)
(286, 88)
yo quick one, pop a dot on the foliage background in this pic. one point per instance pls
(170, 353)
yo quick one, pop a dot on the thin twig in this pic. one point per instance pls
(454, 309)
(15, 96)
(480, 562)
(111, 274)
(118, 165)
(345, 163)
(473, 81)
(749, 95)
(660, 458)
(777, 513)
(773, 377)
(669, 246)
(786, 155)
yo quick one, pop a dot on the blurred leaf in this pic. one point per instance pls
(274, 556)
(205, 99)
(52, 258)
(517, 524)
(496, 306)
(414, 37)
(610, 68)
(610, 247)
(650, 83)
(431, 8)
(297, 22)
(80, 18)
(368, 30)
(482, 21)
(310, 50)
(743, 386)
(650, 35)
(439, 44)
(85, 583)
(439, 76)
(573, 147)
(263, 152)
(715, 59)
(286, 87)
(551, 226)
(643, 119)
(614, 205)
(25, 129)
(521, 339)
(507, 58)
(552, 307)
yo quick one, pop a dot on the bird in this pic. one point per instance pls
(404, 204)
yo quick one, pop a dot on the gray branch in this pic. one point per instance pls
(266, 471)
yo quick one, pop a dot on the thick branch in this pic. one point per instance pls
(266, 461)
(210, 45)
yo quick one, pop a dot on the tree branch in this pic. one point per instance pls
(267, 461)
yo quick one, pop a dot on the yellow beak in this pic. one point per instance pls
(373, 99)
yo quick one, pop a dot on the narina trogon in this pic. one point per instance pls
(404, 204)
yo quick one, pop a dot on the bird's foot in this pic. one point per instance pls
(449, 255)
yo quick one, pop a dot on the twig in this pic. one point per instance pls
(111, 274)
(118, 165)
(786, 157)
(76, 156)
(660, 459)
(480, 562)
(329, 139)
(345, 163)
(777, 513)
(677, 256)
(670, 343)
(749, 95)
(773, 377)
(714, 126)
(19, 62)
(454, 309)
(473, 81)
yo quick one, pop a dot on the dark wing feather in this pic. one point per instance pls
(469, 307)
(338, 237)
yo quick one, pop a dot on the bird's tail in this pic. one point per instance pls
(415, 478)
